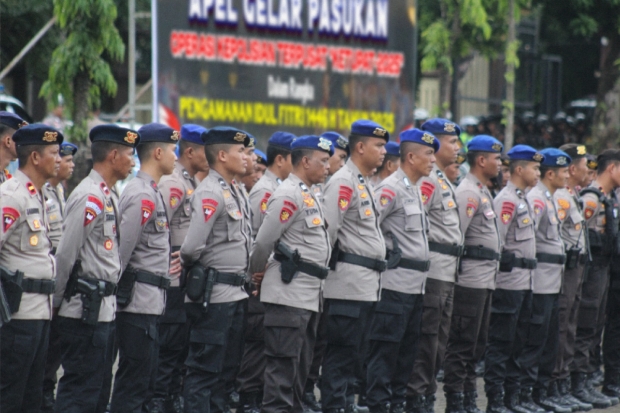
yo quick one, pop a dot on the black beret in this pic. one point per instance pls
(226, 134)
(156, 132)
(11, 120)
(37, 134)
(114, 133)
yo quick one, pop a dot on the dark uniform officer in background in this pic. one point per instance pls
(145, 259)
(9, 123)
(395, 323)
(445, 244)
(216, 250)
(476, 281)
(352, 287)
(391, 163)
(294, 230)
(25, 247)
(89, 267)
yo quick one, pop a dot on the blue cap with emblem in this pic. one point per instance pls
(525, 153)
(157, 132)
(364, 127)
(191, 133)
(392, 149)
(115, 134)
(261, 158)
(339, 141)
(282, 140)
(421, 137)
(439, 126)
(227, 135)
(37, 134)
(11, 120)
(313, 142)
(485, 143)
(67, 148)
(555, 158)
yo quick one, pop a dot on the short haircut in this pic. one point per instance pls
(405, 149)
(544, 169)
(472, 156)
(101, 149)
(517, 162)
(298, 154)
(146, 149)
(24, 151)
(211, 151)
(606, 158)
(354, 139)
(6, 130)
(184, 144)
(273, 152)
(385, 161)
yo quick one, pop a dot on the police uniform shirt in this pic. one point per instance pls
(295, 217)
(352, 221)
(24, 244)
(547, 277)
(401, 214)
(145, 241)
(259, 197)
(479, 224)
(90, 235)
(517, 233)
(440, 203)
(594, 212)
(572, 228)
(219, 235)
(55, 208)
(4, 176)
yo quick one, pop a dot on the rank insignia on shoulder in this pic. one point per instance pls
(31, 189)
(508, 209)
(208, 208)
(285, 215)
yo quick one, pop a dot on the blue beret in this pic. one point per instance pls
(392, 148)
(364, 127)
(555, 158)
(313, 142)
(421, 137)
(11, 120)
(37, 134)
(485, 143)
(228, 135)
(337, 139)
(439, 126)
(115, 134)
(525, 153)
(67, 148)
(157, 132)
(282, 140)
(191, 133)
(261, 158)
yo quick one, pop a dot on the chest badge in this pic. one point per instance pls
(34, 240)
(108, 244)
(316, 221)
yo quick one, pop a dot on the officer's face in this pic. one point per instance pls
(449, 149)
(49, 161)
(123, 161)
(236, 160)
(424, 160)
(530, 173)
(317, 167)
(374, 151)
(505, 175)
(66, 167)
(578, 171)
(493, 164)
(337, 160)
(251, 161)
(560, 177)
(199, 160)
(168, 158)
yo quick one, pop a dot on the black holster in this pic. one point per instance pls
(394, 255)
(572, 258)
(12, 288)
(333, 259)
(289, 261)
(125, 287)
(5, 311)
(199, 285)
(507, 261)
(91, 294)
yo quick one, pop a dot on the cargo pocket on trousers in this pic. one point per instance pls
(587, 315)
(465, 318)
(535, 333)
(431, 316)
(503, 324)
(342, 324)
(206, 350)
(281, 337)
(387, 322)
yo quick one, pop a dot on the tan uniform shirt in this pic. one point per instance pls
(219, 235)
(572, 228)
(352, 221)
(402, 215)
(295, 217)
(480, 226)
(547, 277)
(145, 241)
(259, 197)
(440, 203)
(24, 244)
(517, 233)
(91, 234)
(594, 214)
(55, 208)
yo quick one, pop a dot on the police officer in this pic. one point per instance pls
(357, 261)
(216, 250)
(295, 231)
(512, 298)
(395, 323)
(145, 259)
(89, 266)
(261, 163)
(445, 244)
(390, 164)
(9, 123)
(592, 165)
(476, 280)
(25, 247)
(341, 151)
(250, 377)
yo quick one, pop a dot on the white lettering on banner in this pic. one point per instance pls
(303, 92)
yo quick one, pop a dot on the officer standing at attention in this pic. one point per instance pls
(390, 164)
(294, 230)
(250, 377)
(512, 298)
(9, 123)
(357, 261)
(217, 249)
(89, 267)
(336, 161)
(25, 253)
(476, 280)
(145, 259)
(395, 323)
(446, 246)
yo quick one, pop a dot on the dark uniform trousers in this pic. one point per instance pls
(510, 316)
(436, 318)
(611, 343)
(468, 337)
(393, 340)
(87, 353)
(252, 369)
(347, 322)
(215, 347)
(290, 334)
(137, 339)
(52, 361)
(23, 347)
(319, 352)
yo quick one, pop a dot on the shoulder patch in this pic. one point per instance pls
(508, 209)
(427, 190)
(539, 205)
(386, 197)
(589, 210)
(94, 207)
(344, 197)
(563, 203)
(263, 202)
(208, 208)
(148, 207)
(285, 215)
(9, 216)
(175, 196)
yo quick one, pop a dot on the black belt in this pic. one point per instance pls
(152, 279)
(371, 263)
(417, 265)
(306, 267)
(551, 258)
(454, 250)
(110, 288)
(33, 285)
(481, 253)
(527, 263)
(229, 278)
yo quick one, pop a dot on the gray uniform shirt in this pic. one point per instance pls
(259, 197)
(295, 217)
(572, 226)
(594, 212)
(90, 235)
(55, 208)
(4, 175)
(517, 233)
(440, 203)
(219, 235)
(24, 244)
(480, 226)
(352, 221)
(402, 215)
(145, 241)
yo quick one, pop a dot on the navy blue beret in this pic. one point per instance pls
(191, 133)
(282, 140)
(337, 139)
(313, 142)
(228, 135)
(555, 158)
(574, 150)
(157, 132)
(421, 137)
(392, 148)
(439, 126)
(485, 143)
(115, 134)
(67, 148)
(37, 134)
(525, 153)
(11, 120)
(261, 158)
(364, 127)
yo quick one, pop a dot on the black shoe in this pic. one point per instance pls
(592, 389)
(512, 401)
(248, 403)
(233, 399)
(430, 403)
(543, 400)
(526, 401)
(385, 408)
(496, 403)
(310, 403)
(596, 378)
(454, 403)
(582, 392)
(557, 398)
(469, 402)
(440, 375)
(416, 404)
(564, 388)
(611, 384)
(156, 405)
(397, 408)
(362, 400)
